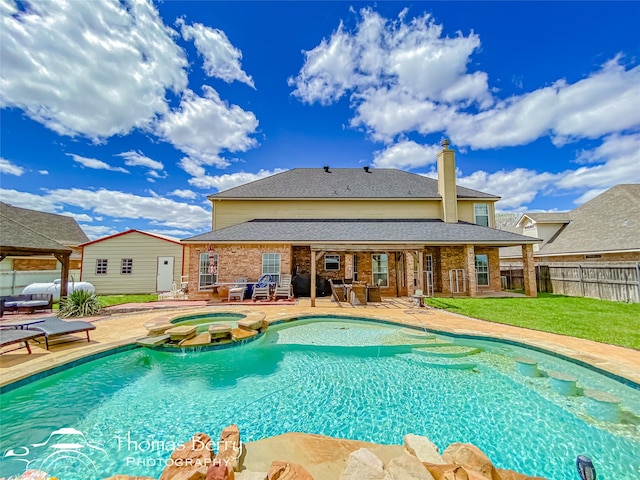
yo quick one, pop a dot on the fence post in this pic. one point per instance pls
(13, 282)
(580, 277)
(638, 278)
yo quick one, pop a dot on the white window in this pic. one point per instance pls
(271, 265)
(101, 266)
(208, 272)
(482, 270)
(355, 267)
(332, 262)
(481, 214)
(126, 266)
(380, 269)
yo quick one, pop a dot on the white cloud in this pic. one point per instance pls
(137, 159)
(90, 68)
(406, 155)
(404, 76)
(95, 163)
(8, 168)
(221, 58)
(230, 180)
(183, 193)
(43, 172)
(203, 127)
(80, 217)
(97, 231)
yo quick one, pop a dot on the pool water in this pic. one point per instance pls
(203, 321)
(347, 379)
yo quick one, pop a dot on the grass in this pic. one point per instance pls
(108, 300)
(615, 323)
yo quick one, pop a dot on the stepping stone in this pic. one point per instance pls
(248, 324)
(563, 383)
(153, 341)
(182, 333)
(197, 341)
(238, 334)
(159, 329)
(527, 366)
(603, 406)
(219, 331)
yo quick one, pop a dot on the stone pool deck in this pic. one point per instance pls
(126, 325)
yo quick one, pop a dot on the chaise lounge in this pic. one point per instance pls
(53, 327)
(11, 336)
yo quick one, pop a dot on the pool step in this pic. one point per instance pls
(153, 341)
(444, 362)
(447, 351)
(414, 333)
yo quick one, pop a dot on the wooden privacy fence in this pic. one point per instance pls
(607, 281)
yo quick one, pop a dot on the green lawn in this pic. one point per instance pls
(600, 320)
(108, 300)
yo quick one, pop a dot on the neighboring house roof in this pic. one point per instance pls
(608, 222)
(547, 217)
(127, 232)
(344, 183)
(362, 231)
(19, 239)
(59, 228)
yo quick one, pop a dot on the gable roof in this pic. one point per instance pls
(60, 228)
(344, 183)
(127, 232)
(608, 222)
(547, 217)
(368, 231)
(18, 239)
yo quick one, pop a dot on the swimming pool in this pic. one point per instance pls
(336, 377)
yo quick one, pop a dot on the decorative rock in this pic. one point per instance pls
(527, 367)
(219, 330)
(602, 406)
(159, 329)
(249, 324)
(446, 471)
(247, 475)
(219, 471)
(191, 460)
(408, 467)
(287, 471)
(238, 334)
(182, 333)
(364, 465)
(126, 477)
(422, 448)
(563, 383)
(197, 341)
(471, 458)
(230, 448)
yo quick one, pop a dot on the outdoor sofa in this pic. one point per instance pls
(29, 302)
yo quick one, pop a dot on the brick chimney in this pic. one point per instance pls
(447, 183)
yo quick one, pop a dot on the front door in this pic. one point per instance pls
(164, 280)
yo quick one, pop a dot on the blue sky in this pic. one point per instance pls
(128, 114)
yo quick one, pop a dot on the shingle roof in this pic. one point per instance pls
(59, 228)
(549, 217)
(344, 183)
(608, 222)
(361, 231)
(133, 230)
(16, 236)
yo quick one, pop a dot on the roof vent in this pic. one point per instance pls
(445, 143)
(366, 169)
(326, 168)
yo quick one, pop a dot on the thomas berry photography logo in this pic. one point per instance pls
(64, 450)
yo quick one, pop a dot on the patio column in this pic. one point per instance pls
(529, 271)
(64, 274)
(421, 270)
(313, 278)
(470, 267)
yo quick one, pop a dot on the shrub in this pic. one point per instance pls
(79, 303)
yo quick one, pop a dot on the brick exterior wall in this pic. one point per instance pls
(35, 264)
(234, 261)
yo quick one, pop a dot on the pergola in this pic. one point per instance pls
(20, 240)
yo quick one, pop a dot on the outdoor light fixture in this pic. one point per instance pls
(585, 468)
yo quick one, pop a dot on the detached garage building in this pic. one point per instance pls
(132, 262)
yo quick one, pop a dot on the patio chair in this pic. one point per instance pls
(418, 298)
(285, 288)
(373, 294)
(54, 327)
(262, 289)
(237, 290)
(337, 291)
(358, 294)
(10, 336)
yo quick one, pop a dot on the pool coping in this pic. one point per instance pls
(130, 344)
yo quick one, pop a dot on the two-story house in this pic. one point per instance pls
(388, 227)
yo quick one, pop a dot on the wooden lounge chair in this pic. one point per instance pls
(54, 327)
(337, 292)
(358, 294)
(373, 294)
(9, 336)
(285, 289)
